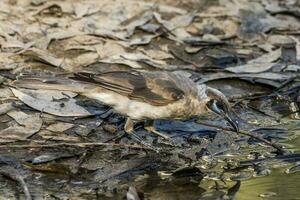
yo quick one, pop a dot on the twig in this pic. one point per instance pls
(285, 83)
(255, 136)
(13, 174)
(81, 145)
(262, 112)
(248, 96)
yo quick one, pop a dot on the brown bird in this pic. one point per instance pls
(140, 95)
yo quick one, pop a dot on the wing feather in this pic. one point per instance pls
(154, 88)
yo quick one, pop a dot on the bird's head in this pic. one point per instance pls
(218, 103)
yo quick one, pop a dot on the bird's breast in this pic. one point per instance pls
(140, 110)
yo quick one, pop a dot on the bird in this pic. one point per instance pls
(140, 95)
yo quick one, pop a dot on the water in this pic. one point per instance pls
(274, 182)
(277, 186)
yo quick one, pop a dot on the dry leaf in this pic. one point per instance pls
(258, 65)
(5, 93)
(251, 68)
(60, 108)
(26, 126)
(58, 136)
(43, 56)
(264, 75)
(145, 39)
(5, 107)
(139, 21)
(157, 54)
(59, 127)
(7, 62)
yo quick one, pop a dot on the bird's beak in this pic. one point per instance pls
(213, 107)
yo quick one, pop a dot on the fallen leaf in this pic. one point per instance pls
(59, 127)
(44, 41)
(49, 94)
(139, 20)
(57, 136)
(157, 54)
(7, 62)
(258, 65)
(264, 75)
(292, 68)
(251, 68)
(37, 2)
(286, 8)
(60, 108)
(150, 28)
(5, 93)
(142, 58)
(43, 56)
(280, 40)
(26, 125)
(192, 50)
(145, 39)
(5, 107)
(83, 9)
(118, 60)
(178, 21)
(118, 35)
(55, 9)
(177, 24)
(80, 61)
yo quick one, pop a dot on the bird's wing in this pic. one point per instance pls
(154, 88)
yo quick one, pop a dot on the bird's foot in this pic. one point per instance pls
(140, 140)
(133, 135)
(117, 137)
(129, 128)
(154, 131)
(168, 139)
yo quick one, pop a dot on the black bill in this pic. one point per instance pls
(218, 110)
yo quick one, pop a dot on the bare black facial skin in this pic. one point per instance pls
(221, 109)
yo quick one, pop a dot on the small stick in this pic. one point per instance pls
(13, 174)
(255, 136)
(81, 145)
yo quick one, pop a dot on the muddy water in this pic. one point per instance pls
(278, 185)
(277, 179)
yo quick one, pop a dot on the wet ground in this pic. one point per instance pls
(60, 145)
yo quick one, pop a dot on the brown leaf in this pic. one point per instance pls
(5, 107)
(25, 126)
(60, 108)
(258, 65)
(264, 75)
(43, 56)
(58, 136)
(59, 127)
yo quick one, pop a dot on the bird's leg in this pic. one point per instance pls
(128, 128)
(150, 127)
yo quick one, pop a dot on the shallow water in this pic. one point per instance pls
(278, 186)
(279, 178)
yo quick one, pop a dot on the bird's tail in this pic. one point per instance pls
(51, 83)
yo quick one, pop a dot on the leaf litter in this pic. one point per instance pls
(59, 108)
(250, 49)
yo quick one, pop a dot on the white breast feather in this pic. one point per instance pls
(132, 108)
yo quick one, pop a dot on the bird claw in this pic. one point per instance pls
(138, 139)
(169, 142)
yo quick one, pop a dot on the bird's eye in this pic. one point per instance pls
(210, 103)
(220, 105)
